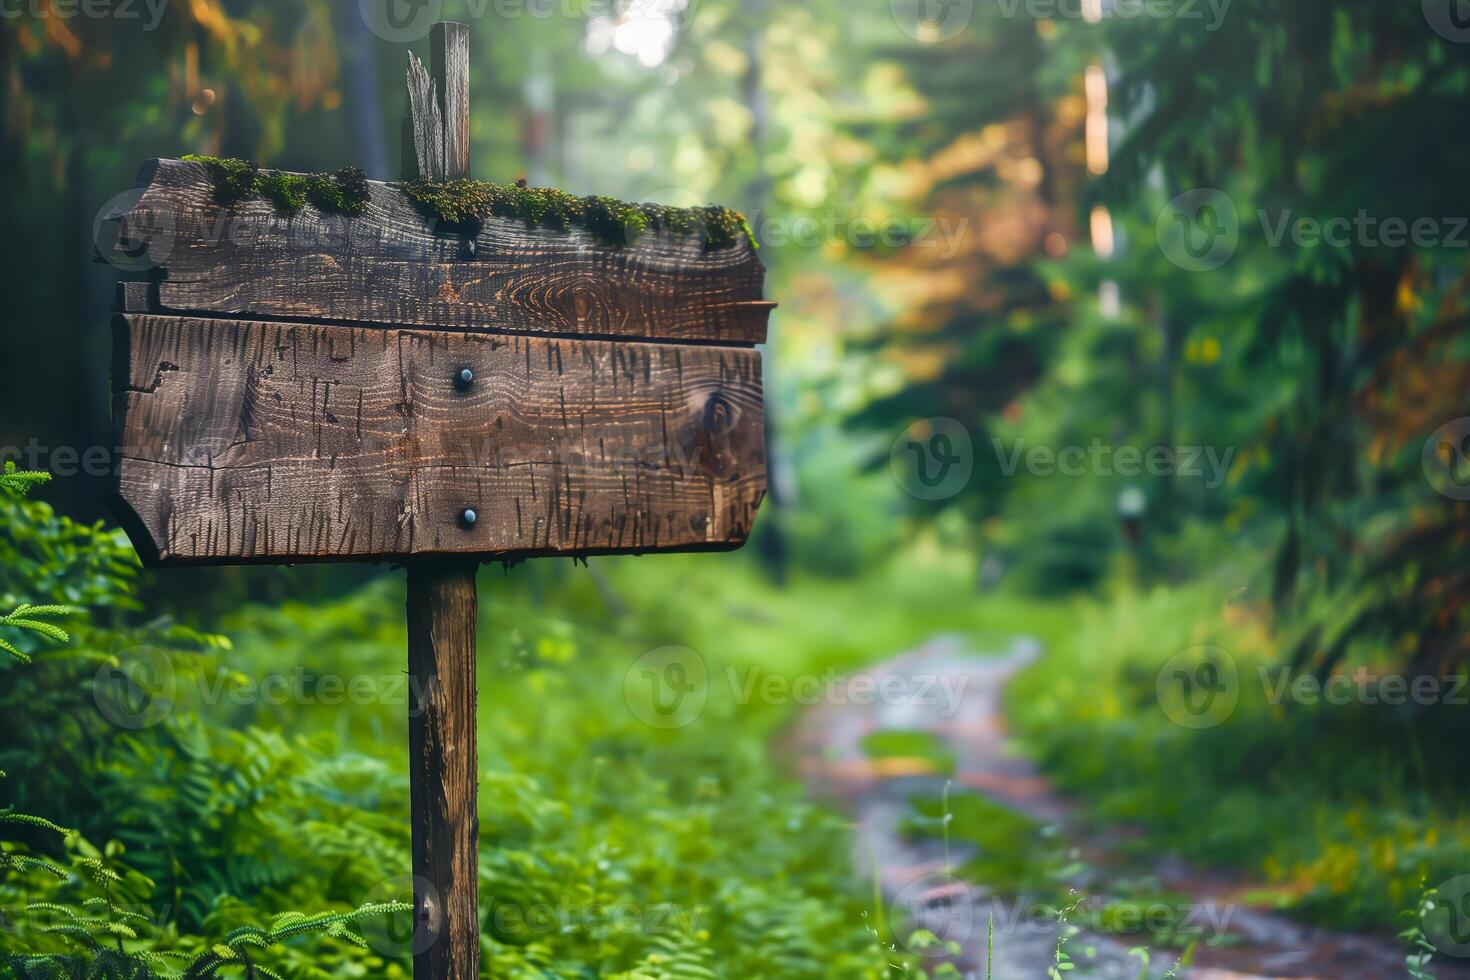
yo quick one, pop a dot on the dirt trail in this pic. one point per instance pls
(963, 695)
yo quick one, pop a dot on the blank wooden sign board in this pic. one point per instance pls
(308, 386)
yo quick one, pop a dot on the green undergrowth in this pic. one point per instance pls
(1339, 810)
(129, 832)
(345, 192)
(233, 776)
(612, 846)
(468, 202)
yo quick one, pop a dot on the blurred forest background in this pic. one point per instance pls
(1051, 226)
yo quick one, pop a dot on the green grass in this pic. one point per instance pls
(925, 746)
(1340, 810)
(730, 610)
(1012, 854)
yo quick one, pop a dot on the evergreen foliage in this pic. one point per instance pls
(19, 482)
(1323, 368)
(1351, 352)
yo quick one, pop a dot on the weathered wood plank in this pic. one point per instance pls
(390, 266)
(245, 441)
(443, 770)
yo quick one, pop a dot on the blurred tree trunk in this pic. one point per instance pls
(364, 100)
(93, 296)
(770, 539)
(541, 129)
(1165, 510)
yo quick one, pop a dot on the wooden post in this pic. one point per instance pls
(442, 763)
(442, 611)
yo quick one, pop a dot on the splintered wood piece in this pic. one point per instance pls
(281, 442)
(428, 121)
(443, 770)
(449, 60)
(391, 265)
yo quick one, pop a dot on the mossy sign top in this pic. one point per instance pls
(324, 367)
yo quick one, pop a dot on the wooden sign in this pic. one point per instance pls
(295, 384)
(315, 387)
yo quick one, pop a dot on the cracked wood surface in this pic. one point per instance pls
(393, 266)
(247, 441)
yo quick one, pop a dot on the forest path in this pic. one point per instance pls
(957, 696)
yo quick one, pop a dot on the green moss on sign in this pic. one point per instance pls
(287, 191)
(611, 221)
(468, 202)
(345, 192)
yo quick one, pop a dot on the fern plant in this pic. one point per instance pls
(236, 949)
(28, 617)
(20, 482)
(104, 935)
(15, 862)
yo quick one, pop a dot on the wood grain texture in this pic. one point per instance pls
(392, 266)
(443, 770)
(245, 441)
(450, 66)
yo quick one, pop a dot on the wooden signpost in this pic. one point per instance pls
(382, 387)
